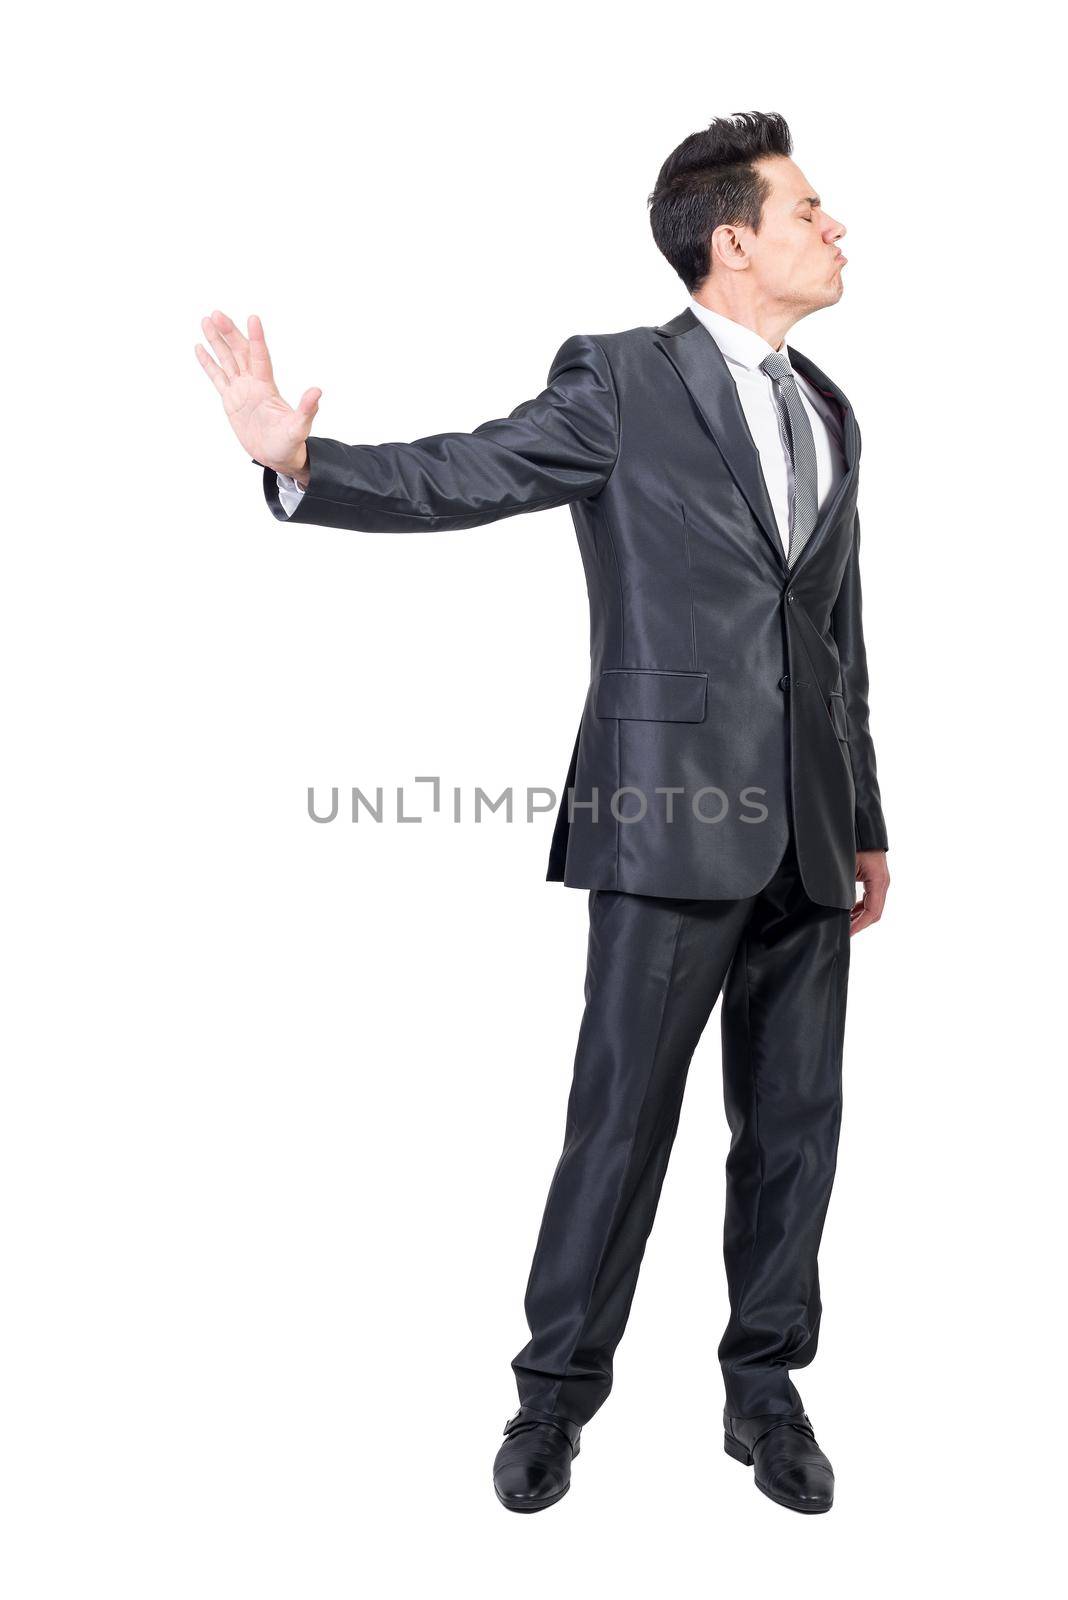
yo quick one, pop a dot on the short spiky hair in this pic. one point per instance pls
(710, 180)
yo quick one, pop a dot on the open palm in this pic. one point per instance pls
(269, 429)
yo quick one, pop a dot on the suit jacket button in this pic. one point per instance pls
(789, 597)
(784, 682)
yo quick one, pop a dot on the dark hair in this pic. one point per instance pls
(710, 180)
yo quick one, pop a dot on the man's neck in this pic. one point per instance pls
(772, 322)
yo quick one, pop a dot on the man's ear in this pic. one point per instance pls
(727, 248)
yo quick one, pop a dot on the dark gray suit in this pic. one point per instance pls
(715, 670)
(739, 687)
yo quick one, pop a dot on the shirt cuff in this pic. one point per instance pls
(290, 494)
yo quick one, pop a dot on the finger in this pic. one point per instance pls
(233, 336)
(863, 915)
(259, 360)
(876, 900)
(222, 349)
(308, 404)
(214, 372)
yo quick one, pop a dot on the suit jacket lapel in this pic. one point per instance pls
(700, 363)
(850, 444)
(702, 367)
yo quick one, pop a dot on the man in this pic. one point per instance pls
(722, 799)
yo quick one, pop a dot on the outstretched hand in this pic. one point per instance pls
(270, 430)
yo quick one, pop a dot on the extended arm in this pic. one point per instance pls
(557, 447)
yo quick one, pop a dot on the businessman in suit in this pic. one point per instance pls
(721, 803)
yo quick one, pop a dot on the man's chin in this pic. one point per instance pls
(828, 295)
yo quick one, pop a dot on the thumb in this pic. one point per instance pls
(308, 404)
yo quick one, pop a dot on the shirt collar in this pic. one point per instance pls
(739, 344)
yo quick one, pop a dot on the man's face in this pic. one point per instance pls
(794, 257)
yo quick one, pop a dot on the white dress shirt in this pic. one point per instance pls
(743, 350)
(290, 493)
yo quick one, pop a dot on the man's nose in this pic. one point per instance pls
(833, 231)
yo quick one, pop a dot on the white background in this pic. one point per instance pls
(282, 1102)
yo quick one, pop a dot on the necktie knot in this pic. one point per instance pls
(776, 366)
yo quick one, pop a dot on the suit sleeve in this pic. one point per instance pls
(847, 627)
(557, 447)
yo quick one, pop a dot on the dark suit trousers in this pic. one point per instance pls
(655, 968)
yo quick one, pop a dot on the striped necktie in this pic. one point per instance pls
(797, 437)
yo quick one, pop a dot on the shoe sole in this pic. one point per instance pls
(738, 1452)
(542, 1505)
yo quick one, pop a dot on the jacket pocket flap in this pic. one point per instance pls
(652, 695)
(838, 715)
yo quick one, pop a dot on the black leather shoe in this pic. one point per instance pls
(791, 1469)
(532, 1468)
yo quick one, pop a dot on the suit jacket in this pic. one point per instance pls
(716, 671)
